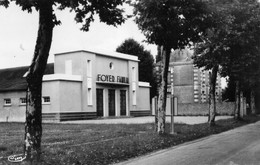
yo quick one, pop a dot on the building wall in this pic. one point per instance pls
(70, 97)
(119, 66)
(143, 99)
(91, 66)
(51, 89)
(189, 83)
(78, 60)
(14, 112)
(201, 86)
(183, 81)
(183, 74)
(184, 94)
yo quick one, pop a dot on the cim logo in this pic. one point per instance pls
(111, 78)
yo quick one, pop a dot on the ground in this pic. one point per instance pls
(103, 143)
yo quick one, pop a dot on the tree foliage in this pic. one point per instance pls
(170, 23)
(108, 11)
(232, 41)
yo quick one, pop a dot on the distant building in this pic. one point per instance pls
(189, 83)
(79, 85)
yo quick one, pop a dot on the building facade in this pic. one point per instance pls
(82, 85)
(187, 82)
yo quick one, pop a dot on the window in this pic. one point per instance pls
(46, 100)
(22, 101)
(133, 74)
(111, 65)
(7, 102)
(89, 68)
(90, 102)
(134, 97)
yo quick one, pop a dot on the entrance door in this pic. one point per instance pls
(111, 102)
(122, 102)
(100, 103)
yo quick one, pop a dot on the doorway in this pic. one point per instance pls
(100, 102)
(123, 102)
(111, 102)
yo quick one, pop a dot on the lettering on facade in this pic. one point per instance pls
(111, 78)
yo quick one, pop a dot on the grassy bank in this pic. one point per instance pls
(103, 143)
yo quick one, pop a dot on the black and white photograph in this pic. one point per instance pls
(130, 82)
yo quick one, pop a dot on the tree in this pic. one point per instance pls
(108, 12)
(172, 24)
(146, 64)
(231, 43)
(242, 63)
(211, 51)
(159, 54)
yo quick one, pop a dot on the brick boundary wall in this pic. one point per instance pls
(198, 109)
(202, 109)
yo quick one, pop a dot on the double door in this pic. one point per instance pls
(112, 102)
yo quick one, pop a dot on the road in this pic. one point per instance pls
(240, 146)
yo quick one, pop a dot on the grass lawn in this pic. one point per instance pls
(104, 143)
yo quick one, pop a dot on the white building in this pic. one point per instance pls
(79, 85)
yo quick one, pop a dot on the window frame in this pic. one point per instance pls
(7, 104)
(44, 101)
(21, 101)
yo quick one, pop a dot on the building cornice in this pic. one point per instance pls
(105, 53)
(64, 77)
(144, 84)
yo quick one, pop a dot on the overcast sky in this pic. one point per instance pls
(18, 32)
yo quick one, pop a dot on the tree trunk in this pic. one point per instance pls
(212, 100)
(237, 102)
(252, 102)
(163, 92)
(33, 123)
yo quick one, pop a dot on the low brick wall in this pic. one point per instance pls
(224, 108)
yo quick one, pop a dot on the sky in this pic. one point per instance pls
(18, 33)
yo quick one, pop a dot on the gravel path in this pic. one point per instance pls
(147, 119)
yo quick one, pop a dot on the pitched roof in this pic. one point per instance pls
(11, 79)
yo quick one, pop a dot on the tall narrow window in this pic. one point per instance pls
(68, 67)
(134, 97)
(89, 68)
(133, 74)
(89, 82)
(90, 102)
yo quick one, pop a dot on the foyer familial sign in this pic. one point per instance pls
(111, 78)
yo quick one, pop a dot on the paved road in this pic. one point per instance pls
(240, 146)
